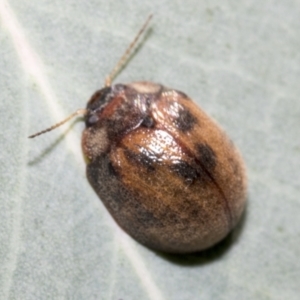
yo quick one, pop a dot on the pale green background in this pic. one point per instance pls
(240, 60)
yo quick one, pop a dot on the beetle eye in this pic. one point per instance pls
(91, 119)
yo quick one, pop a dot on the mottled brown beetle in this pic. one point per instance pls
(166, 171)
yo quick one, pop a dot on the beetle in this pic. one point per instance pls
(166, 171)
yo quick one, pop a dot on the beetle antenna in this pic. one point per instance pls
(76, 113)
(126, 54)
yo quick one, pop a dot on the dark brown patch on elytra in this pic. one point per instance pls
(207, 157)
(208, 161)
(185, 120)
(147, 218)
(145, 160)
(111, 170)
(105, 179)
(184, 170)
